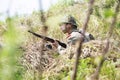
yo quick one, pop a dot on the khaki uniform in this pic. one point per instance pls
(72, 39)
(74, 36)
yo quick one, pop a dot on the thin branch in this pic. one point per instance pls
(112, 26)
(44, 29)
(90, 10)
(42, 18)
(9, 8)
(81, 40)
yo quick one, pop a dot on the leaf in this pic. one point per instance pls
(118, 25)
(108, 13)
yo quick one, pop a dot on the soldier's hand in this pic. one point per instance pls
(55, 44)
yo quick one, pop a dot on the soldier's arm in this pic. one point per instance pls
(74, 37)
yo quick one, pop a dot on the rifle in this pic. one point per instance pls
(48, 39)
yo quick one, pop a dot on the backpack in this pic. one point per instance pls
(87, 36)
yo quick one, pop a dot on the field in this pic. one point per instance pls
(21, 57)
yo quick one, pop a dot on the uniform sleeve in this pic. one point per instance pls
(75, 36)
(71, 40)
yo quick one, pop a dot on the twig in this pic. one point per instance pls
(95, 76)
(81, 40)
(44, 30)
(44, 27)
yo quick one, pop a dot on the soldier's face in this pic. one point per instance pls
(64, 28)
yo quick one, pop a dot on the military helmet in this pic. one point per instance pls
(69, 19)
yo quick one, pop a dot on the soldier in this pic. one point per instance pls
(69, 27)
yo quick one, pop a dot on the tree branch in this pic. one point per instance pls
(95, 76)
(81, 40)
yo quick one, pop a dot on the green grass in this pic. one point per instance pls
(17, 35)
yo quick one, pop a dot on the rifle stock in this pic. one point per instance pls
(48, 39)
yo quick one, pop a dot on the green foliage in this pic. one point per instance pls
(109, 3)
(98, 26)
(84, 68)
(108, 70)
(97, 12)
(118, 25)
(60, 7)
(9, 53)
(66, 2)
(108, 13)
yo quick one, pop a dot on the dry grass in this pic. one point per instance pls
(54, 67)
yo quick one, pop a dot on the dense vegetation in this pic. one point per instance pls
(15, 40)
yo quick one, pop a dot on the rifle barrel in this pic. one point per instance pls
(48, 39)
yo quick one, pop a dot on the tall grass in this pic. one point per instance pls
(9, 69)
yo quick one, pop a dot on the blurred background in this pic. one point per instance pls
(21, 7)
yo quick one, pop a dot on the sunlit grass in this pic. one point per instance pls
(11, 69)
